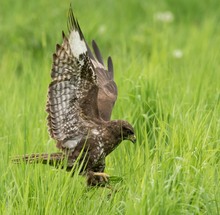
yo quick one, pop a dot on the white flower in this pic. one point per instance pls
(102, 29)
(139, 97)
(165, 16)
(177, 53)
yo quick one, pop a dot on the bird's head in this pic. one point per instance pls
(127, 132)
(118, 130)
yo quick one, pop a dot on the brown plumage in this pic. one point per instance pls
(81, 97)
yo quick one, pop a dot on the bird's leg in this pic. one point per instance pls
(97, 178)
(103, 175)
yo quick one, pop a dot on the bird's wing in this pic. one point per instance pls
(107, 94)
(72, 95)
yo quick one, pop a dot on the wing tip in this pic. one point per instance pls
(73, 24)
(75, 38)
(110, 67)
(97, 52)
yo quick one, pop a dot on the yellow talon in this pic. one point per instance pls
(102, 174)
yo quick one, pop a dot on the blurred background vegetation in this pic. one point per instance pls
(166, 59)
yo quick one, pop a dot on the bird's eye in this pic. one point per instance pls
(130, 132)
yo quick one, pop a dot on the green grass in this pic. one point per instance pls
(173, 104)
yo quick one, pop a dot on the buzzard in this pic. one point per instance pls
(81, 97)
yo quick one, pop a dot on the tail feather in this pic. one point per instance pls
(52, 159)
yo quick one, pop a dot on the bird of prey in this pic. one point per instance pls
(81, 97)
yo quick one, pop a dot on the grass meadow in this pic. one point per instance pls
(167, 67)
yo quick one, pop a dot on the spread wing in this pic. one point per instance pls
(107, 94)
(72, 95)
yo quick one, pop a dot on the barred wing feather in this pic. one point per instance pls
(72, 94)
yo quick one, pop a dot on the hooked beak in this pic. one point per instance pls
(132, 138)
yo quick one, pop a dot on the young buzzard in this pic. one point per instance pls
(80, 101)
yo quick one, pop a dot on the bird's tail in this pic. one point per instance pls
(52, 159)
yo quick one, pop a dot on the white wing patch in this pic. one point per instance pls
(95, 131)
(71, 144)
(77, 45)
